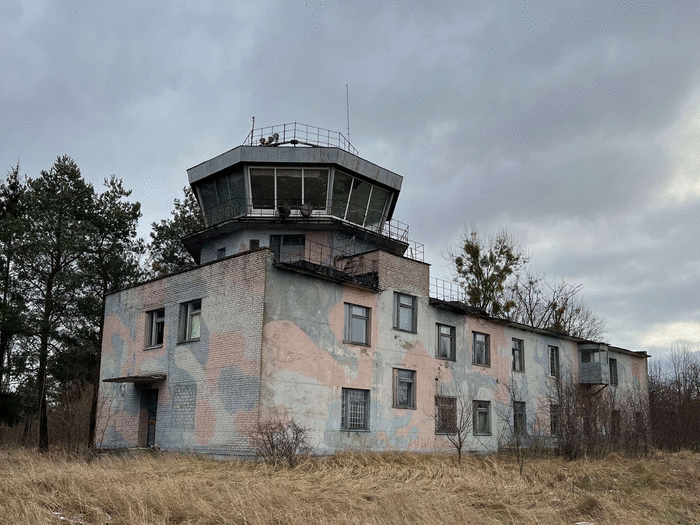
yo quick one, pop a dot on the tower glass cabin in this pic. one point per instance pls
(299, 190)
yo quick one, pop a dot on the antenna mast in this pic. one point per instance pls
(347, 102)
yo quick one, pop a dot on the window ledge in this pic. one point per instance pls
(452, 359)
(404, 407)
(407, 331)
(153, 347)
(482, 434)
(519, 371)
(479, 364)
(355, 430)
(188, 341)
(366, 345)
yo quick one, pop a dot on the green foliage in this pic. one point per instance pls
(484, 267)
(167, 254)
(63, 247)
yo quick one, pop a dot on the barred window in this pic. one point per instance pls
(519, 418)
(355, 409)
(445, 415)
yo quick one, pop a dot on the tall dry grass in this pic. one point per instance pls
(347, 488)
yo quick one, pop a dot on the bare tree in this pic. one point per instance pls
(454, 411)
(553, 306)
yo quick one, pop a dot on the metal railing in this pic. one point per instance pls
(295, 134)
(447, 291)
(321, 256)
(356, 215)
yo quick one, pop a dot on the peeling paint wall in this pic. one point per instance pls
(209, 400)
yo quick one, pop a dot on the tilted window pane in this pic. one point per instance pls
(316, 188)
(262, 187)
(358, 201)
(238, 194)
(223, 197)
(375, 210)
(341, 193)
(207, 192)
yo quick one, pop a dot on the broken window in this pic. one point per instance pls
(445, 415)
(190, 320)
(482, 353)
(518, 355)
(404, 388)
(355, 409)
(482, 417)
(404, 312)
(155, 327)
(356, 324)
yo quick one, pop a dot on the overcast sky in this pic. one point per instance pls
(575, 124)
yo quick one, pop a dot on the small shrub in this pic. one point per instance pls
(284, 443)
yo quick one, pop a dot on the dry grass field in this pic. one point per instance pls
(348, 488)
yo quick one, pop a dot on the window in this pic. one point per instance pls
(404, 388)
(445, 342)
(519, 418)
(554, 361)
(404, 312)
(445, 415)
(518, 356)
(554, 420)
(287, 248)
(356, 324)
(156, 327)
(220, 253)
(482, 354)
(482, 417)
(254, 244)
(190, 317)
(612, 363)
(355, 409)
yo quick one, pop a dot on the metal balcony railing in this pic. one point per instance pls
(337, 263)
(291, 210)
(294, 134)
(447, 291)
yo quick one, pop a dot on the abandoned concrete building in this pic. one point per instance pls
(309, 301)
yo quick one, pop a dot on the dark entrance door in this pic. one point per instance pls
(150, 403)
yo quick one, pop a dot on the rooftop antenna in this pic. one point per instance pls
(252, 132)
(347, 103)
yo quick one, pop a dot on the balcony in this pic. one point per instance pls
(333, 264)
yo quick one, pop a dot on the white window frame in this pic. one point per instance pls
(153, 320)
(349, 335)
(553, 364)
(190, 316)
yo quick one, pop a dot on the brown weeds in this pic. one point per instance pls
(347, 488)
